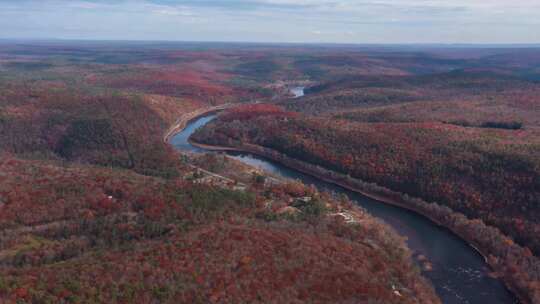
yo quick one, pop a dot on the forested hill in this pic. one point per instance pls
(96, 207)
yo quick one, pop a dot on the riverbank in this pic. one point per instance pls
(457, 223)
(320, 174)
(186, 118)
(485, 240)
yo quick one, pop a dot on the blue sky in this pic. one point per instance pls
(333, 21)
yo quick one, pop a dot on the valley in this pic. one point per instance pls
(215, 173)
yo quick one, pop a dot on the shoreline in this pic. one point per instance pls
(375, 196)
(385, 199)
(182, 122)
(390, 198)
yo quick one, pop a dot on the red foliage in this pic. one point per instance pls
(246, 112)
(180, 82)
(82, 217)
(492, 180)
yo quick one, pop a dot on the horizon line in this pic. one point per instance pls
(455, 44)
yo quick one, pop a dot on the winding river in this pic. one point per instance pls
(458, 273)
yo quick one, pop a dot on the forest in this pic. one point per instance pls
(145, 238)
(466, 139)
(95, 207)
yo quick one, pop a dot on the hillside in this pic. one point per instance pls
(95, 233)
(466, 140)
(96, 207)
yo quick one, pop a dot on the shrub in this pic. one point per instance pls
(213, 202)
(310, 209)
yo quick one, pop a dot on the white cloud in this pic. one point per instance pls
(391, 21)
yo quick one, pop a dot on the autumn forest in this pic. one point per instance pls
(98, 206)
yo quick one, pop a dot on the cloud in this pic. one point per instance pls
(391, 21)
(85, 5)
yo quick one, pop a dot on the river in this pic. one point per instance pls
(459, 274)
(297, 91)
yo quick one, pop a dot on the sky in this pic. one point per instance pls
(311, 21)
